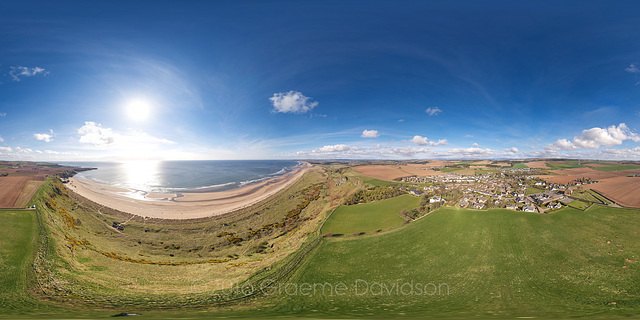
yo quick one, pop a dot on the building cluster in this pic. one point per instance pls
(507, 189)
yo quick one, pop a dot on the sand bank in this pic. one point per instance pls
(184, 205)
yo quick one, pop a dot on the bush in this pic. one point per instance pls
(372, 194)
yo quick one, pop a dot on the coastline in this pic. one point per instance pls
(184, 205)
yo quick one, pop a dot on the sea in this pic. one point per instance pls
(183, 176)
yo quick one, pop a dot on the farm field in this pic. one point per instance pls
(382, 172)
(520, 166)
(11, 189)
(489, 264)
(391, 172)
(623, 190)
(368, 217)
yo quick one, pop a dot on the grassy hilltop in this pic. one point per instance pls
(65, 261)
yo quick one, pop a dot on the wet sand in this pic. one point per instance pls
(184, 205)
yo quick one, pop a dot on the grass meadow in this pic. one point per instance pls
(453, 263)
(368, 217)
(495, 263)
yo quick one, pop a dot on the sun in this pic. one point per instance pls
(138, 109)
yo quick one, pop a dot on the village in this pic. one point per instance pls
(513, 189)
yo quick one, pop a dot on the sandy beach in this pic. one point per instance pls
(183, 205)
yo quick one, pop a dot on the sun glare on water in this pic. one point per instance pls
(138, 110)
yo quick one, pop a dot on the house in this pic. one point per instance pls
(568, 192)
(554, 205)
(435, 199)
(529, 209)
(416, 192)
(463, 203)
(477, 205)
(511, 206)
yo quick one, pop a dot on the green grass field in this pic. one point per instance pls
(568, 164)
(616, 167)
(520, 166)
(18, 229)
(580, 205)
(482, 264)
(368, 217)
(532, 190)
(590, 195)
(495, 263)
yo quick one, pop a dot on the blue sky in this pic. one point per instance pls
(118, 80)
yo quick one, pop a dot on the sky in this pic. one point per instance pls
(207, 80)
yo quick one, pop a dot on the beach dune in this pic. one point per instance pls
(184, 205)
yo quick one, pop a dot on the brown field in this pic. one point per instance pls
(419, 170)
(10, 190)
(537, 164)
(623, 190)
(391, 172)
(430, 164)
(32, 170)
(382, 172)
(27, 193)
(566, 176)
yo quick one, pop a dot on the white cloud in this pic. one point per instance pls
(423, 141)
(632, 68)
(6, 149)
(468, 136)
(3, 114)
(46, 137)
(95, 134)
(24, 150)
(1, 140)
(292, 102)
(471, 152)
(512, 150)
(475, 145)
(370, 134)
(18, 72)
(561, 144)
(333, 148)
(595, 138)
(354, 152)
(433, 111)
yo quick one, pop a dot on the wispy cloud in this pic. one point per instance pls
(19, 72)
(292, 102)
(370, 134)
(3, 114)
(433, 111)
(632, 68)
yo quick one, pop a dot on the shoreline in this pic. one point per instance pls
(184, 205)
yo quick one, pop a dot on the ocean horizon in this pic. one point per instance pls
(182, 176)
